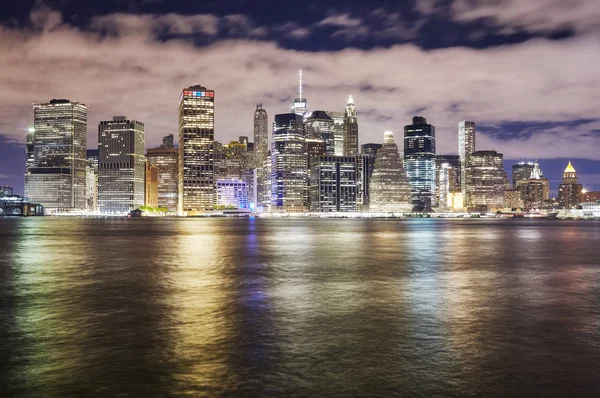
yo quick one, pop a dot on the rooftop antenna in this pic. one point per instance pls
(300, 83)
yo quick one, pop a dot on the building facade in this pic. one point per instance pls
(338, 131)
(261, 151)
(196, 150)
(419, 161)
(466, 146)
(57, 179)
(447, 178)
(350, 129)
(521, 171)
(121, 165)
(569, 192)
(535, 189)
(232, 193)
(334, 184)
(390, 189)
(485, 181)
(319, 126)
(166, 161)
(151, 187)
(289, 180)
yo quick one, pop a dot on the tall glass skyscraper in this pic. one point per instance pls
(319, 125)
(419, 160)
(289, 188)
(196, 150)
(466, 146)
(300, 105)
(390, 190)
(121, 165)
(350, 129)
(338, 131)
(261, 150)
(57, 179)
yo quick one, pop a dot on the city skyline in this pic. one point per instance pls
(508, 75)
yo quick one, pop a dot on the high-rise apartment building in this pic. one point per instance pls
(350, 129)
(569, 192)
(121, 165)
(466, 146)
(57, 177)
(485, 181)
(261, 150)
(166, 161)
(196, 146)
(419, 161)
(390, 190)
(334, 184)
(289, 164)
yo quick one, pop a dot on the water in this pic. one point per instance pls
(242, 307)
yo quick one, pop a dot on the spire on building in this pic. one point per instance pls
(300, 83)
(536, 172)
(350, 99)
(570, 168)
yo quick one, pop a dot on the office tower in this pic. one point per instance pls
(319, 125)
(168, 141)
(534, 190)
(196, 146)
(91, 185)
(485, 181)
(521, 171)
(366, 164)
(30, 150)
(243, 139)
(338, 132)
(151, 186)
(250, 177)
(288, 164)
(334, 184)
(300, 105)
(261, 149)
(350, 129)
(466, 146)
(419, 160)
(57, 178)
(166, 161)
(234, 160)
(512, 199)
(447, 178)
(232, 193)
(370, 149)
(390, 189)
(122, 165)
(569, 192)
(6, 190)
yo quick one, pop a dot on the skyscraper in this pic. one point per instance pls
(319, 125)
(300, 105)
(58, 176)
(390, 189)
(485, 180)
(521, 171)
(334, 183)
(167, 141)
(121, 165)
(419, 160)
(569, 192)
(289, 164)
(350, 129)
(261, 149)
(151, 186)
(30, 150)
(533, 190)
(338, 131)
(447, 178)
(166, 161)
(196, 146)
(91, 187)
(370, 149)
(466, 146)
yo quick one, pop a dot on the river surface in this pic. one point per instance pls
(299, 308)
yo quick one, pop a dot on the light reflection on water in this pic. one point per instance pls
(256, 307)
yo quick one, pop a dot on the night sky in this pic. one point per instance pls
(525, 71)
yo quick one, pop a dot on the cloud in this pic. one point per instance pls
(544, 16)
(136, 73)
(292, 30)
(341, 20)
(4, 176)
